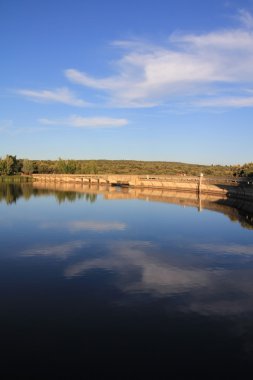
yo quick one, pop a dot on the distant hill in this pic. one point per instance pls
(11, 165)
(138, 167)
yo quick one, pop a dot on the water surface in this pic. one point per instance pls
(124, 281)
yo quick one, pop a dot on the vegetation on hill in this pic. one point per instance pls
(10, 165)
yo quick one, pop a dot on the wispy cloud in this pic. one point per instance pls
(60, 95)
(237, 102)
(188, 67)
(86, 122)
(190, 70)
(246, 18)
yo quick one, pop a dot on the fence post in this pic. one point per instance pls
(200, 183)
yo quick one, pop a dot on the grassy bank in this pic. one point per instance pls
(15, 178)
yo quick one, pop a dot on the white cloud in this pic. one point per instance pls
(239, 102)
(186, 68)
(60, 95)
(81, 78)
(86, 122)
(234, 39)
(189, 66)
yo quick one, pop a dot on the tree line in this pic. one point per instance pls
(10, 165)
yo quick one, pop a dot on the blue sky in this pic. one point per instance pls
(146, 80)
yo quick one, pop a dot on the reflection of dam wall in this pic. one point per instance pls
(235, 209)
(74, 187)
(237, 188)
(113, 193)
(161, 195)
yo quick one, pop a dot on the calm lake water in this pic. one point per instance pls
(124, 281)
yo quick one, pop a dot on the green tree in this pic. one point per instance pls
(66, 166)
(27, 167)
(9, 165)
(2, 166)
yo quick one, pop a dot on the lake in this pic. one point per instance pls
(124, 281)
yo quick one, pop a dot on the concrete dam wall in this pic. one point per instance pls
(228, 187)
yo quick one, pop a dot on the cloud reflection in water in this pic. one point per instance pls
(61, 251)
(237, 249)
(203, 288)
(90, 225)
(201, 282)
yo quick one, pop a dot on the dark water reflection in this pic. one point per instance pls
(127, 281)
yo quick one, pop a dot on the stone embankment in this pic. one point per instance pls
(229, 187)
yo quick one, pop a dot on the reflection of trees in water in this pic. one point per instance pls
(245, 219)
(70, 196)
(91, 197)
(10, 193)
(63, 196)
(237, 210)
